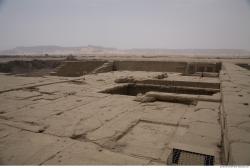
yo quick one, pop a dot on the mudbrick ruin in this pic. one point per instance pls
(119, 111)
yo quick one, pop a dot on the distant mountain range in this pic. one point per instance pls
(54, 50)
(98, 50)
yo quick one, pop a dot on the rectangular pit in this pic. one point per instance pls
(134, 89)
(212, 85)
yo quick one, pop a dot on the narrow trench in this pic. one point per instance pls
(134, 89)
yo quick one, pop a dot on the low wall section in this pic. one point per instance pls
(78, 68)
(155, 66)
(235, 114)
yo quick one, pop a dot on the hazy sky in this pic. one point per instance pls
(169, 24)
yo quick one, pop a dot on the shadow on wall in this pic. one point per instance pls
(74, 68)
(29, 67)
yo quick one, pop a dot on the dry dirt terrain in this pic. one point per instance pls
(126, 112)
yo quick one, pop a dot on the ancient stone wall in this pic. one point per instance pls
(75, 68)
(193, 67)
(155, 66)
(235, 114)
(21, 67)
(78, 68)
(106, 67)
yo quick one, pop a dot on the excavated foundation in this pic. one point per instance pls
(124, 112)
